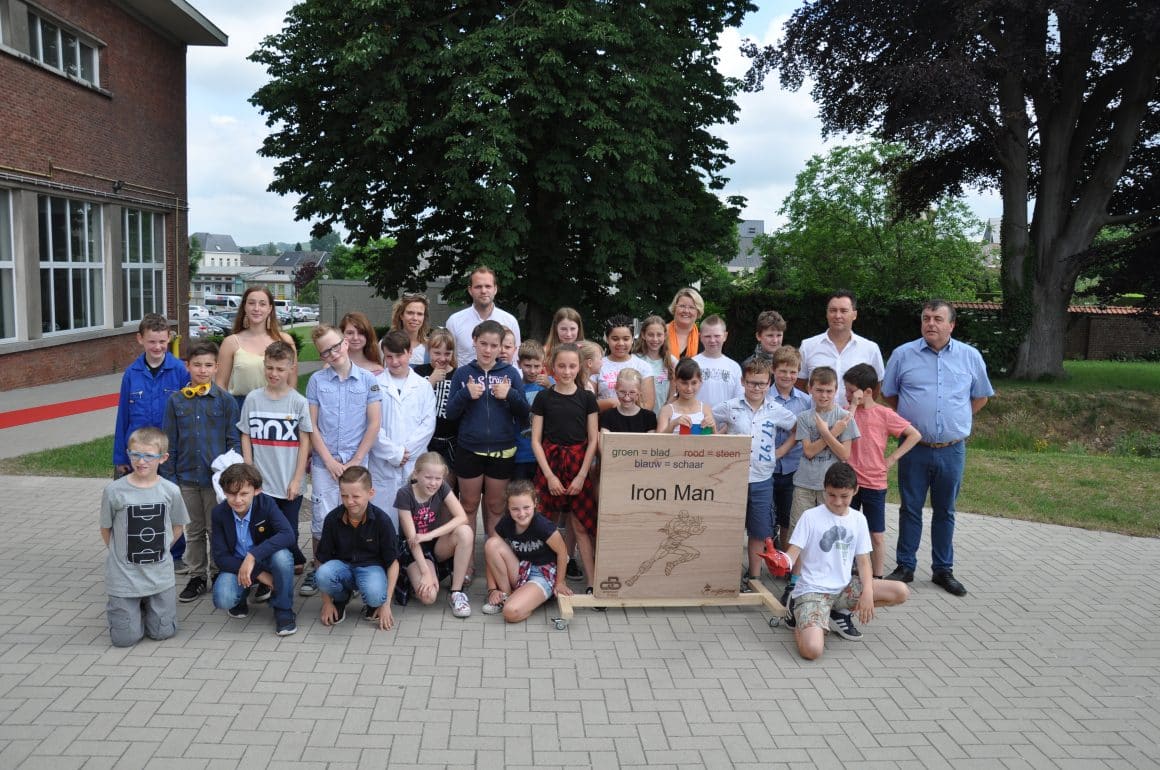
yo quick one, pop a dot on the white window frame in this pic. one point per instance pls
(71, 50)
(142, 260)
(82, 268)
(8, 315)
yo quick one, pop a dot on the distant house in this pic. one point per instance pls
(747, 259)
(94, 228)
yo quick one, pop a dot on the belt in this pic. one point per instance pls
(940, 444)
(500, 454)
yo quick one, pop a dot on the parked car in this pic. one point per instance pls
(199, 328)
(305, 313)
(219, 324)
(198, 311)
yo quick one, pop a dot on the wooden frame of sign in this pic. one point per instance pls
(672, 514)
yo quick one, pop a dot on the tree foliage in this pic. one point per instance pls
(840, 231)
(306, 277)
(559, 142)
(1054, 102)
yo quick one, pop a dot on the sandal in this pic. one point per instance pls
(494, 608)
(468, 577)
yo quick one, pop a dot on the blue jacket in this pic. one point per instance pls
(199, 429)
(143, 399)
(486, 424)
(269, 530)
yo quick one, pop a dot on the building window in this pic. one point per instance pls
(142, 264)
(62, 50)
(7, 270)
(71, 264)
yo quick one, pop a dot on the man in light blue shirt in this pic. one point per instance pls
(938, 384)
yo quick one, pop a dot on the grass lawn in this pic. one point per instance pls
(1092, 376)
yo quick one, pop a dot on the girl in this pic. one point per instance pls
(685, 410)
(434, 526)
(628, 417)
(567, 326)
(618, 335)
(485, 396)
(441, 352)
(362, 344)
(565, 433)
(241, 360)
(653, 346)
(518, 584)
(591, 362)
(410, 315)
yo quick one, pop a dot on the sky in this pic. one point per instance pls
(775, 135)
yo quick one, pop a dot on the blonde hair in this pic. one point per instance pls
(640, 347)
(692, 294)
(441, 338)
(430, 459)
(630, 377)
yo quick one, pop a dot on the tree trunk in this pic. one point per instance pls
(1041, 354)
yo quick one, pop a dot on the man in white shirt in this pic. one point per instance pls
(839, 347)
(482, 288)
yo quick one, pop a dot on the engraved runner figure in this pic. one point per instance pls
(673, 549)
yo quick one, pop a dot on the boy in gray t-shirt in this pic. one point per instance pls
(141, 515)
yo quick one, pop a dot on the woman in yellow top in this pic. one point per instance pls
(241, 362)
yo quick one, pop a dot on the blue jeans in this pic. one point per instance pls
(290, 509)
(228, 592)
(941, 472)
(782, 499)
(337, 579)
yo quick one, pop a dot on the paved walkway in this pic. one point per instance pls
(1051, 661)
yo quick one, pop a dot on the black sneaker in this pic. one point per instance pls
(574, 571)
(946, 579)
(902, 574)
(341, 607)
(263, 593)
(239, 610)
(286, 626)
(588, 592)
(193, 589)
(842, 624)
(368, 613)
(790, 620)
(746, 578)
(785, 594)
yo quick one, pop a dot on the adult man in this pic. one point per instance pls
(839, 347)
(482, 288)
(938, 384)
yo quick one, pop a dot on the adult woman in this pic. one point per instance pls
(362, 344)
(410, 315)
(684, 339)
(241, 361)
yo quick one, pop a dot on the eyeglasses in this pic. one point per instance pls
(144, 456)
(332, 351)
(752, 384)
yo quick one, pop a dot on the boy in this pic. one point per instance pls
(141, 515)
(827, 540)
(876, 423)
(786, 363)
(760, 419)
(201, 424)
(358, 550)
(346, 410)
(251, 544)
(275, 425)
(720, 375)
(408, 422)
(531, 358)
(770, 332)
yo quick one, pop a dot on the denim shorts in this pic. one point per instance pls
(542, 575)
(872, 504)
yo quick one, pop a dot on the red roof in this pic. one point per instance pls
(1078, 309)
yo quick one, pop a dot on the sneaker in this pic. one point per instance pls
(341, 607)
(286, 627)
(902, 574)
(574, 571)
(460, 607)
(369, 613)
(842, 624)
(309, 585)
(263, 593)
(193, 589)
(746, 578)
(588, 592)
(785, 594)
(790, 620)
(494, 609)
(239, 610)
(180, 567)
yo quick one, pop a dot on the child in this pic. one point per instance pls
(567, 326)
(438, 371)
(251, 544)
(565, 433)
(408, 422)
(531, 355)
(685, 411)
(275, 425)
(618, 335)
(653, 346)
(346, 410)
(200, 424)
(357, 550)
(770, 332)
(435, 529)
(875, 423)
(786, 363)
(508, 346)
(591, 362)
(485, 396)
(361, 343)
(721, 374)
(525, 558)
(759, 418)
(828, 541)
(141, 515)
(628, 417)
(146, 386)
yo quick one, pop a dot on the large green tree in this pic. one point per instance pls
(565, 143)
(1054, 102)
(840, 232)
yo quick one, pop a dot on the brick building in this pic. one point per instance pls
(93, 202)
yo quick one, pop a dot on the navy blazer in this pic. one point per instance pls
(269, 530)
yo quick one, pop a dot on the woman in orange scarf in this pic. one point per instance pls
(684, 339)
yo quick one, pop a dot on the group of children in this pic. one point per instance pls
(517, 430)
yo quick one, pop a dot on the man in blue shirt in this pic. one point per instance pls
(938, 384)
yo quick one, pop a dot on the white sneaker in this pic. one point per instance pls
(460, 607)
(495, 609)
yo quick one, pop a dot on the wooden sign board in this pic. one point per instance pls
(672, 516)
